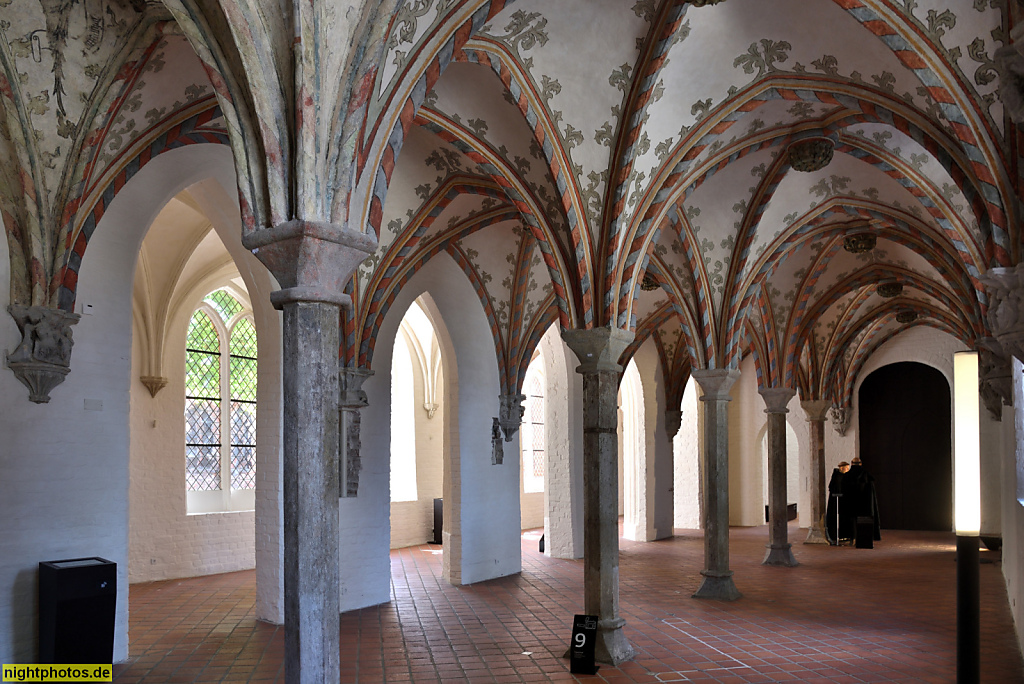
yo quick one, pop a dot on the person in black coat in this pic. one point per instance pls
(834, 531)
(859, 499)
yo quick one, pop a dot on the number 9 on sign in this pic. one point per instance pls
(580, 639)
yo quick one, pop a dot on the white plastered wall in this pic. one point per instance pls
(412, 522)
(748, 425)
(164, 541)
(481, 509)
(653, 480)
(80, 507)
(797, 452)
(531, 504)
(563, 472)
(1012, 502)
(686, 461)
(746, 471)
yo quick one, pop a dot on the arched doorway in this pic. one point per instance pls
(905, 443)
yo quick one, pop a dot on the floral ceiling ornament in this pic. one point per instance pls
(648, 284)
(889, 290)
(906, 316)
(859, 243)
(810, 155)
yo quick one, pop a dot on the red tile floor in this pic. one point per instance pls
(844, 615)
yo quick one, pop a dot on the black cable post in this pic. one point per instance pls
(968, 612)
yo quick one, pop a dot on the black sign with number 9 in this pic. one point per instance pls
(581, 650)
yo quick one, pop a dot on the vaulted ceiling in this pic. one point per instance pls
(634, 163)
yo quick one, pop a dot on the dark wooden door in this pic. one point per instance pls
(905, 443)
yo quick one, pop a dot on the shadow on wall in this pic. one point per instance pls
(24, 613)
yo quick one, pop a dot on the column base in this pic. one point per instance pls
(612, 647)
(718, 586)
(816, 535)
(780, 555)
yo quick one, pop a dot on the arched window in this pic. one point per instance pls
(533, 440)
(220, 405)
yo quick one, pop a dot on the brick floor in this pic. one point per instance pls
(844, 615)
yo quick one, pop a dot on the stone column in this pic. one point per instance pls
(817, 412)
(780, 551)
(598, 351)
(352, 398)
(312, 261)
(715, 384)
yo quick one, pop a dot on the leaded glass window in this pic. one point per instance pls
(243, 405)
(202, 404)
(220, 396)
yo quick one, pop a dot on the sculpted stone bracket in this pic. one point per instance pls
(352, 398)
(995, 378)
(1005, 288)
(497, 450)
(841, 419)
(510, 417)
(1009, 61)
(43, 358)
(673, 421)
(510, 413)
(154, 383)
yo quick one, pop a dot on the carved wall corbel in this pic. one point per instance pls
(497, 450)
(352, 398)
(841, 419)
(510, 413)
(1009, 61)
(43, 358)
(154, 383)
(994, 376)
(1005, 316)
(673, 420)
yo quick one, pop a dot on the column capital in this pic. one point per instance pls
(311, 260)
(1005, 288)
(598, 349)
(776, 399)
(816, 409)
(715, 382)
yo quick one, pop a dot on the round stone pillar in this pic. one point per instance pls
(715, 384)
(817, 412)
(598, 350)
(312, 262)
(780, 551)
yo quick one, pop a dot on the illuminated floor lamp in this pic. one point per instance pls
(967, 497)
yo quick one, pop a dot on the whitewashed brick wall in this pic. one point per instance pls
(686, 447)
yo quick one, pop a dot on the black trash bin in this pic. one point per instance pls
(438, 521)
(77, 601)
